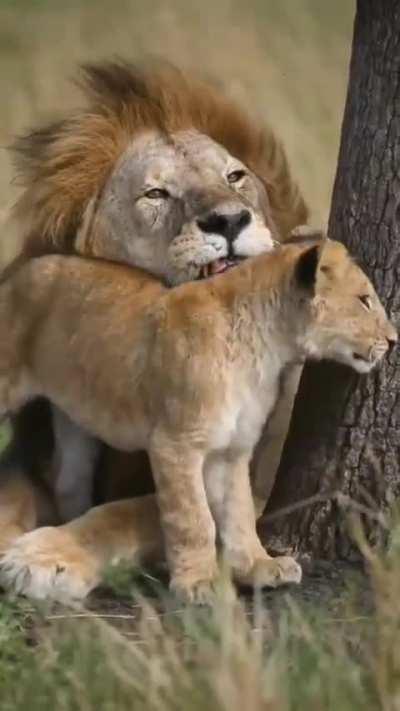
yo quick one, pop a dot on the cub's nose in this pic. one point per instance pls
(229, 225)
(391, 335)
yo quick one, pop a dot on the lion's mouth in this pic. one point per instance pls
(219, 266)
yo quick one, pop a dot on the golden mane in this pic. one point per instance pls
(64, 166)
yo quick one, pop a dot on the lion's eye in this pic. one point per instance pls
(366, 301)
(157, 194)
(236, 176)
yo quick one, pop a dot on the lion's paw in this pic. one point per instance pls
(48, 564)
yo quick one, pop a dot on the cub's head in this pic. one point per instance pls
(161, 171)
(347, 322)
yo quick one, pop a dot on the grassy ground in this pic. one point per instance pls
(334, 644)
(272, 654)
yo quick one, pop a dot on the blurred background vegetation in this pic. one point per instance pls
(285, 59)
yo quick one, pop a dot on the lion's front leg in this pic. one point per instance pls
(75, 457)
(233, 509)
(268, 452)
(186, 519)
(65, 563)
(20, 507)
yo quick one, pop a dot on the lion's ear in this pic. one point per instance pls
(306, 268)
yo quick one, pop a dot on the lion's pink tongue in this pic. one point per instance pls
(218, 266)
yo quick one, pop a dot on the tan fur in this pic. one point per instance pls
(195, 374)
(22, 507)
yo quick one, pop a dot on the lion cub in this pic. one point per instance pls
(190, 374)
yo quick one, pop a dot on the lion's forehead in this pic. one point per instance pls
(186, 156)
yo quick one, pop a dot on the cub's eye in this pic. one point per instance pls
(157, 194)
(236, 176)
(366, 301)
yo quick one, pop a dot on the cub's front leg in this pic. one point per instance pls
(229, 493)
(186, 519)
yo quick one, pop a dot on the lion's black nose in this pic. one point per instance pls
(225, 224)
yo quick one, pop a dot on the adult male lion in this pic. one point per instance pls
(161, 171)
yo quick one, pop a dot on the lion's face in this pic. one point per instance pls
(182, 208)
(350, 325)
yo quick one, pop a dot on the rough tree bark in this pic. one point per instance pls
(345, 430)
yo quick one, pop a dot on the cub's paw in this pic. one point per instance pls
(272, 572)
(48, 564)
(194, 592)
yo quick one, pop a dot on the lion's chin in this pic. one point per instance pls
(219, 266)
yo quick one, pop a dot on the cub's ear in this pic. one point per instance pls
(306, 268)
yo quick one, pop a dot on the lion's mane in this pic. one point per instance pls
(64, 166)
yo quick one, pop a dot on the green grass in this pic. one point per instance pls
(275, 652)
(132, 648)
(231, 658)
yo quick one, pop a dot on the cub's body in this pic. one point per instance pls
(191, 344)
(195, 373)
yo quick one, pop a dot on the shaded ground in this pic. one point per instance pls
(340, 590)
(329, 644)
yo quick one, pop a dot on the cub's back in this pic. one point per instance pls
(61, 285)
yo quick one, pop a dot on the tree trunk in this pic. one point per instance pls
(345, 431)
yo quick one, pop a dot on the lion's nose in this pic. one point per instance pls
(225, 224)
